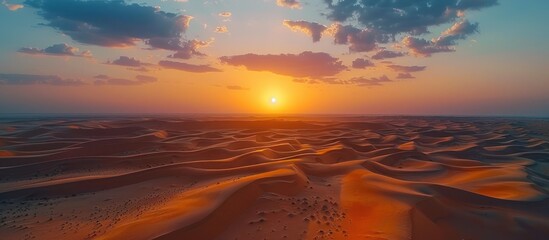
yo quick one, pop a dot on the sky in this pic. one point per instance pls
(379, 57)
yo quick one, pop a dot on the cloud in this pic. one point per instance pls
(475, 4)
(459, 31)
(190, 48)
(305, 64)
(235, 87)
(356, 81)
(61, 49)
(127, 61)
(12, 7)
(310, 28)
(422, 47)
(395, 17)
(111, 23)
(222, 29)
(139, 80)
(288, 3)
(225, 14)
(405, 76)
(301, 80)
(31, 79)
(359, 40)
(384, 54)
(369, 82)
(380, 22)
(101, 76)
(444, 43)
(362, 63)
(407, 69)
(188, 67)
(54, 80)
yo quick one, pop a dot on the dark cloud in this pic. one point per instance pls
(305, 64)
(236, 87)
(31, 79)
(127, 61)
(139, 80)
(422, 47)
(362, 63)
(369, 82)
(111, 23)
(382, 21)
(132, 63)
(359, 40)
(394, 17)
(405, 76)
(288, 3)
(384, 54)
(188, 67)
(189, 48)
(406, 69)
(310, 28)
(61, 49)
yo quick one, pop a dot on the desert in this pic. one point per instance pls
(274, 178)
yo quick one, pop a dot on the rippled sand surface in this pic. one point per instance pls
(274, 178)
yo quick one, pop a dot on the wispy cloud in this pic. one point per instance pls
(405, 76)
(61, 49)
(384, 54)
(32, 79)
(139, 80)
(236, 87)
(408, 69)
(188, 67)
(12, 7)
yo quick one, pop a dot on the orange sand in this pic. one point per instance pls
(284, 178)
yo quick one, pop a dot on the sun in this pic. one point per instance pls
(273, 100)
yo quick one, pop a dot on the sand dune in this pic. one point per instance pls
(280, 178)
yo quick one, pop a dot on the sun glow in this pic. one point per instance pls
(273, 100)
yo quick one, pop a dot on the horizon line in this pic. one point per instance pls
(65, 114)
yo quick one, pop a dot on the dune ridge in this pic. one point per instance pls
(274, 178)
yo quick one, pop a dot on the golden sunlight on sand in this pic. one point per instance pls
(256, 178)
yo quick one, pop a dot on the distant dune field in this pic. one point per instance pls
(274, 178)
